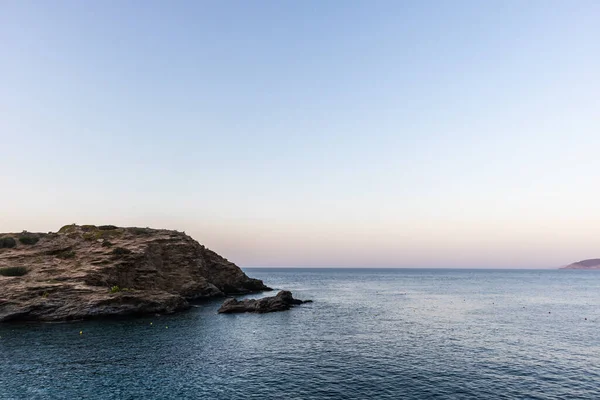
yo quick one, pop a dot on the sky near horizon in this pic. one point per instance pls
(310, 133)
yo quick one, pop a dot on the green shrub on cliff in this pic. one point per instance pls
(29, 240)
(68, 228)
(7, 242)
(65, 254)
(100, 234)
(13, 271)
(120, 251)
(117, 289)
(141, 231)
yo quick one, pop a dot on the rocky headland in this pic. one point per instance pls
(281, 302)
(88, 271)
(585, 264)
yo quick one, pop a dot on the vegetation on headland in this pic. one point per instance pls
(29, 240)
(121, 251)
(117, 289)
(7, 242)
(13, 271)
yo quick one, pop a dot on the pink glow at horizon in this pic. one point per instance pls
(346, 134)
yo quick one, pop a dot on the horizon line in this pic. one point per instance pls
(412, 268)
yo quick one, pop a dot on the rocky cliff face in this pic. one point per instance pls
(585, 264)
(88, 271)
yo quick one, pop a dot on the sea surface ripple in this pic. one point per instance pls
(370, 334)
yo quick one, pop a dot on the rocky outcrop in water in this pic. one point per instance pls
(91, 271)
(281, 302)
(585, 264)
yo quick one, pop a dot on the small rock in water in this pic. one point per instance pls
(281, 302)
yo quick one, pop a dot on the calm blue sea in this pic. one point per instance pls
(370, 334)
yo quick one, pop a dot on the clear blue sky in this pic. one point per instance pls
(310, 133)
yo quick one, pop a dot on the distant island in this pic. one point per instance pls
(88, 271)
(593, 263)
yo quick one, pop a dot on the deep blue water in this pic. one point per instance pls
(370, 334)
